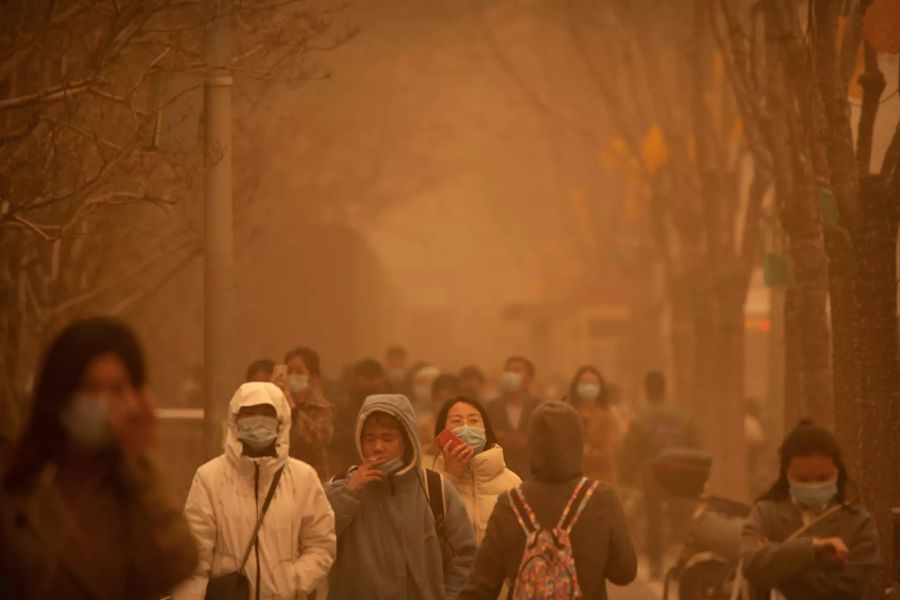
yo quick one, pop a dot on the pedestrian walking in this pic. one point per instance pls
(476, 467)
(403, 531)
(603, 430)
(808, 537)
(84, 512)
(256, 511)
(559, 534)
(511, 411)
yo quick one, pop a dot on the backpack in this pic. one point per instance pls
(547, 569)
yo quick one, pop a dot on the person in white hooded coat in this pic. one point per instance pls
(296, 543)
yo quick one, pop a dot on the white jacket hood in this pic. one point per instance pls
(254, 394)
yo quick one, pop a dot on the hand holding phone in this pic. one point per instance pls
(447, 441)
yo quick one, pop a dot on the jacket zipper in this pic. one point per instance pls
(256, 542)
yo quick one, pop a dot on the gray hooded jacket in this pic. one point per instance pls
(600, 541)
(387, 545)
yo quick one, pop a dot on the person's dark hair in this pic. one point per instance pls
(807, 439)
(444, 381)
(310, 358)
(529, 366)
(263, 364)
(368, 368)
(472, 372)
(395, 351)
(655, 386)
(573, 398)
(441, 423)
(61, 374)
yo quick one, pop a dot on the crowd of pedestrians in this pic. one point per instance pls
(403, 482)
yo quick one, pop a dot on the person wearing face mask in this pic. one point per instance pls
(396, 368)
(389, 542)
(423, 380)
(476, 468)
(295, 546)
(312, 415)
(510, 412)
(443, 388)
(84, 512)
(366, 378)
(808, 538)
(602, 428)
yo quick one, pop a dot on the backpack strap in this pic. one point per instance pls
(524, 514)
(434, 489)
(583, 492)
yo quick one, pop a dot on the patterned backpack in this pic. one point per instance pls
(547, 569)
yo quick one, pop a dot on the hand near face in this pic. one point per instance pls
(367, 472)
(457, 459)
(133, 421)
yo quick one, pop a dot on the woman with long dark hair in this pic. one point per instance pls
(808, 537)
(477, 467)
(82, 509)
(602, 427)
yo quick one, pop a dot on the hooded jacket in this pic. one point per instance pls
(482, 483)
(296, 540)
(387, 545)
(601, 544)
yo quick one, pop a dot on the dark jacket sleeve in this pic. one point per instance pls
(161, 547)
(462, 540)
(621, 564)
(486, 579)
(768, 564)
(792, 565)
(849, 582)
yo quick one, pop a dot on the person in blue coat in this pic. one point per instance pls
(388, 544)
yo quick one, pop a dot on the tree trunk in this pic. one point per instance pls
(876, 292)
(682, 340)
(729, 396)
(809, 315)
(844, 340)
(794, 400)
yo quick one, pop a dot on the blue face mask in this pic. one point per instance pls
(257, 432)
(392, 465)
(474, 437)
(814, 495)
(588, 391)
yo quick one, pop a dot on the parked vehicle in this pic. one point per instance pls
(705, 569)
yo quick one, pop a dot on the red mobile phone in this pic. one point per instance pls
(447, 440)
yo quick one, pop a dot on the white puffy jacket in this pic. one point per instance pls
(483, 481)
(297, 543)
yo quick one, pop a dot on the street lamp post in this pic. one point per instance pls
(219, 229)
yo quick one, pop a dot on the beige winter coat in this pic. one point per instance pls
(484, 480)
(297, 543)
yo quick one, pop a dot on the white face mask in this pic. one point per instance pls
(298, 383)
(588, 391)
(511, 381)
(86, 421)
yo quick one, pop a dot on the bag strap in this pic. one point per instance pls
(814, 522)
(580, 500)
(434, 489)
(265, 507)
(524, 514)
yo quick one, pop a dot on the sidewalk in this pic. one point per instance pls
(641, 589)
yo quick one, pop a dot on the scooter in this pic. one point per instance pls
(707, 564)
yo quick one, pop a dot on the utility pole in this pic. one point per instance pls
(219, 239)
